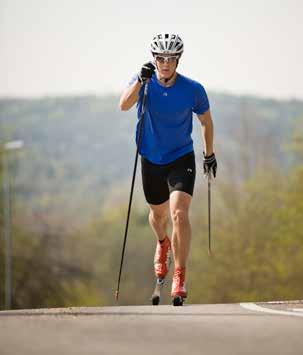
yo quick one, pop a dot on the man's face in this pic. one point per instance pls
(166, 65)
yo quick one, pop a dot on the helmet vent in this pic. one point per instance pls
(167, 43)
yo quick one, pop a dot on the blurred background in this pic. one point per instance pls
(67, 152)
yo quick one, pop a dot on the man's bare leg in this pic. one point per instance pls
(158, 219)
(181, 234)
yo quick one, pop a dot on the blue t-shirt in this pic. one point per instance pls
(167, 127)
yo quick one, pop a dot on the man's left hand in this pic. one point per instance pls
(210, 164)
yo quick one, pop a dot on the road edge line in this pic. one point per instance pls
(254, 307)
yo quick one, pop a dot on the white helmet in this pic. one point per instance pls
(167, 43)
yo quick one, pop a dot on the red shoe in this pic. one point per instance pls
(178, 285)
(162, 258)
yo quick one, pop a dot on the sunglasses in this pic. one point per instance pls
(162, 59)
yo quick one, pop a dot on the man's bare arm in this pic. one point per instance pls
(130, 96)
(207, 132)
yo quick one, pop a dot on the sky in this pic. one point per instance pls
(76, 47)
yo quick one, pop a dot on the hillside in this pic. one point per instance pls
(70, 187)
(77, 147)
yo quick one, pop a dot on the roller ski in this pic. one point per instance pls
(178, 291)
(162, 262)
(157, 292)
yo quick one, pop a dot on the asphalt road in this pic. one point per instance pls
(192, 329)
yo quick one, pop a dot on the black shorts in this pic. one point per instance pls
(160, 180)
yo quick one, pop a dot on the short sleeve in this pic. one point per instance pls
(201, 103)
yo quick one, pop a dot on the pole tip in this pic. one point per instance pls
(117, 295)
(210, 253)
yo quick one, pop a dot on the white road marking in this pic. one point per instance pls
(254, 307)
(297, 309)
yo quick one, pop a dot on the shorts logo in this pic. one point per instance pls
(189, 170)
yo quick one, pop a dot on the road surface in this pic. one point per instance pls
(225, 329)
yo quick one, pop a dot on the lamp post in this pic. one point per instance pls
(9, 146)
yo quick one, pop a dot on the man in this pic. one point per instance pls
(166, 149)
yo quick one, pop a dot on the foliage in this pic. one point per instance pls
(70, 189)
(83, 146)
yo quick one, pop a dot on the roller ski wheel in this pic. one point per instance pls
(156, 296)
(155, 300)
(178, 300)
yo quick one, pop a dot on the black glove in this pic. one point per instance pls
(146, 72)
(210, 164)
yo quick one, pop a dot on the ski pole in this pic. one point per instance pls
(132, 184)
(209, 212)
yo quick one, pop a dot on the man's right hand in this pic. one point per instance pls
(146, 72)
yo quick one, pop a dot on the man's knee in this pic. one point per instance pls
(157, 217)
(179, 216)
